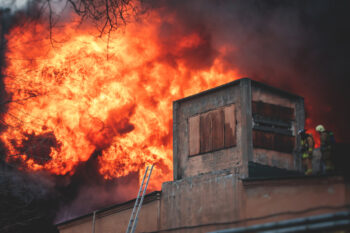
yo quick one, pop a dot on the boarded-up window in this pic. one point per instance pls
(212, 131)
(273, 111)
(272, 127)
(273, 141)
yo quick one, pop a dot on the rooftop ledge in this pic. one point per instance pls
(333, 178)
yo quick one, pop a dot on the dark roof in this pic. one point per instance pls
(316, 223)
(237, 82)
(334, 177)
(121, 206)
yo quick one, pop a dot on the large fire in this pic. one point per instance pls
(78, 95)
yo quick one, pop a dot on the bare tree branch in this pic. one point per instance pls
(106, 13)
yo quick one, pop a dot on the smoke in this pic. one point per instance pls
(299, 46)
(32, 202)
(87, 191)
(28, 201)
(25, 5)
(14, 5)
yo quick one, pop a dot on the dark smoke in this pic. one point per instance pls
(33, 202)
(28, 201)
(87, 191)
(38, 145)
(299, 46)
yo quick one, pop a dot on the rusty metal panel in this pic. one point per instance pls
(287, 113)
(205, 133)
(263, 139)
(230, 126)
(193, 128)
(273, 141)
(284, 143)
(273, 111)
(217, 128)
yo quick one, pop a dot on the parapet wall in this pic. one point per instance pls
(222, 200)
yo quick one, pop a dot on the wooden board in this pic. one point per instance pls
(230, 126)
(193, 128)
(205, 133)
(217, 129)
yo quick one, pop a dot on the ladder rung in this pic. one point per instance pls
(138, 202)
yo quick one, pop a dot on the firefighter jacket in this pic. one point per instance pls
(327, 141)
(307, 146)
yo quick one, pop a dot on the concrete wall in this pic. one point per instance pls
(185, 165)
(222, 200)
(116, 219)
(293, 195)
(196, 201)
(241, 93)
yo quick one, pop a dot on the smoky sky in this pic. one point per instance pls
(299, 46)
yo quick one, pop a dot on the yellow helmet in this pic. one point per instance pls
(320, 128)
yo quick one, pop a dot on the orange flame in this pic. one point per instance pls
(310, 126)
(84, 95)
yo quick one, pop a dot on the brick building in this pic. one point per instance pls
(236, 167)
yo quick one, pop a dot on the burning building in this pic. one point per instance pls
(86, 113)
(236, 164)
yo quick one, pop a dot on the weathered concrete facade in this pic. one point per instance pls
(116, 218)
(184, 109)
(265, 118)
(221, 200)
(224, 139)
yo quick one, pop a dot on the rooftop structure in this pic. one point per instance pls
(237, 126)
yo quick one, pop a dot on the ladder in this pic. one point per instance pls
(138, 202)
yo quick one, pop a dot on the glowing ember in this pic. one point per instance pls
(81, 96)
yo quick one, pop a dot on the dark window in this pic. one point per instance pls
(272, 127)
(272, 118)
(273, 111)
(212, 131)
(273, 141)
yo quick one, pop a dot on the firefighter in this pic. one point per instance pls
(327, 146)
(307, 147)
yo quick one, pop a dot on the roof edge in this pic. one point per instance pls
(236, 82)
(148, 198)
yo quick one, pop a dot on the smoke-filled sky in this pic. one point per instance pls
(14, 5)
(299, 46)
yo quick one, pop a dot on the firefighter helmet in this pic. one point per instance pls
(320, 128)
(302, 131)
